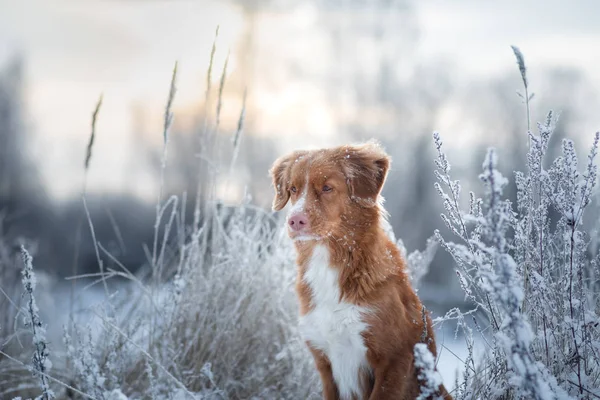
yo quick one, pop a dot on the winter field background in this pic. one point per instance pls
(139, 258)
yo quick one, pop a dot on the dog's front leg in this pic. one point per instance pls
(330, 390)
(391, 381)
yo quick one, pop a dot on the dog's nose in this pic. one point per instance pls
(298, 222)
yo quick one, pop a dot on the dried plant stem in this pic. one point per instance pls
(168, 120)
(203, 140)
(86, 167)
(41, 362)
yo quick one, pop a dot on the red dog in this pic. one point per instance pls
(359, 315)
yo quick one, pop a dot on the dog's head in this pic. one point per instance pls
(330, 189)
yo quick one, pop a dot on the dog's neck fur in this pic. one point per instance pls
(363, 255)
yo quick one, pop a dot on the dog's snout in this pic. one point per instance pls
(298, 222)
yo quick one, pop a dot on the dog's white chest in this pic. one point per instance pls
(335, 327)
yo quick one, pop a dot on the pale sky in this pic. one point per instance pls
(477, 34)
(75, 50)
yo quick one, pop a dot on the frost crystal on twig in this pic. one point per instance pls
(41, 354)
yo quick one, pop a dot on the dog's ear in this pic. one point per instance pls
(281, 173)
(366, 167)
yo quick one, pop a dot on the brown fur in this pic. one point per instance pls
(372, 272)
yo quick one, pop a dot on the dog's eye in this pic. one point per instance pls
(293, 189)
(327, 188)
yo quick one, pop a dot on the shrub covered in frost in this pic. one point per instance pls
(429, 378)
(41, 363)
(531, 269)
(213, 315)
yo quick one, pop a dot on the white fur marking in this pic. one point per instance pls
(335, 327)
(305, 238)
(299, 206)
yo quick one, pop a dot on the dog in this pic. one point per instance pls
(359, 315)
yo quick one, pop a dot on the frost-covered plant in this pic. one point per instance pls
(41, 363)
(528, 269)
(85, 364)
(418, 262)
(213, 314)
(223, 328)
(429, 378)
